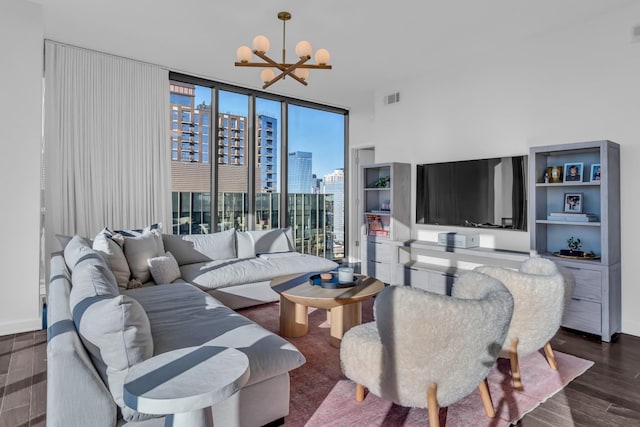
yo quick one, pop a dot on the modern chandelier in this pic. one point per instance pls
(298, 70)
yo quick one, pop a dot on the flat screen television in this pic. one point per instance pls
(484, 193)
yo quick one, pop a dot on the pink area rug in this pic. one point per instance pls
(322, 396)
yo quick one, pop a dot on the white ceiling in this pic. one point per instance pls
(372, 43)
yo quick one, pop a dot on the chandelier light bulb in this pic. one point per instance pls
(244, 54)
(303, 73)
(261, 44)
(303, 49)
(322, 57)
(267, 74)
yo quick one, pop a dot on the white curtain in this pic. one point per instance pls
(106, 144)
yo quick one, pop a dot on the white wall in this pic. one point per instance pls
(581, 84)
(21, 35)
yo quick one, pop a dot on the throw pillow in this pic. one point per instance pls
(109, 246)
(139, 249)
(221, 245)
(117, 334)
(164, 269)
(137, 232)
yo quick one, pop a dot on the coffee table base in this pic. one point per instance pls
(294, 319)
(196, 418)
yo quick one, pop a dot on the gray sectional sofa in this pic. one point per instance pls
(103, 320)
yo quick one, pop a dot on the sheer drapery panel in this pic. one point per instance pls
(106, 155)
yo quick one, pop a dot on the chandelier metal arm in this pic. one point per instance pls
(288, 71)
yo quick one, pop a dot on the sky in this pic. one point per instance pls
(317, 131)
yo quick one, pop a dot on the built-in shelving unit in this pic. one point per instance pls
(595, 307)
(385, 203)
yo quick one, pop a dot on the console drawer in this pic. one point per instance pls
(379, 270)
(588, 283)
(381, 252)
(583, 315)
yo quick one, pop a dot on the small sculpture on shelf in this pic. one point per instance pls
(574, 244)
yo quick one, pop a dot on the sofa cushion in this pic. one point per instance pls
(164, 269)
(117, 334)
(221, 245)
(109, 245)
(78, 250)
(90, 280)
(252, 243)
(181, 315)
(139, 249)
(182, 250)
(218, 274)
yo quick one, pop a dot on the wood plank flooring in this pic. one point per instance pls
(608, 394)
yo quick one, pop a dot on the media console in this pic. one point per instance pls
(433, 267)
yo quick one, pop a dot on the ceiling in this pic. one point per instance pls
(372, 43)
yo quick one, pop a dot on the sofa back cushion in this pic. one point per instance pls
(89, 280)
(117, 334)
(252, 243)
(214, 246)
(76, 251)
(183, 250)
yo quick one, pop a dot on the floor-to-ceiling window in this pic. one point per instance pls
(273, 161)
(316, 173)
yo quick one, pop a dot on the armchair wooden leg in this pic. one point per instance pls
(551, 359)
(515, 365)
(359, 392)
(432, 406)
(485, 395)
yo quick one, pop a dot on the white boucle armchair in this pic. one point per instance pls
(540, 291)
(430, 350)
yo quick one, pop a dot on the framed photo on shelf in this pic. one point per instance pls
(573, 202)
(595, 172)
(573, 172)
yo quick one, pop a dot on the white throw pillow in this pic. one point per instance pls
(221, 245)
(138, 250)
(164, 269)
(109, 246)
(117, 334)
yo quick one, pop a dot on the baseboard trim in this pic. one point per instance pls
(10, 328)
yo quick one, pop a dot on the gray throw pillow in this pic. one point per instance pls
(138, 250)
(110, 248)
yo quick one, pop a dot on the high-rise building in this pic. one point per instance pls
(334, 184)
(267, 153)
(300, 178)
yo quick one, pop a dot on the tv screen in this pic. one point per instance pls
(484, 193)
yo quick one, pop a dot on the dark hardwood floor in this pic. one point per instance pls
(608, 394)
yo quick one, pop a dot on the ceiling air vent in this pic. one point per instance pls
(392, 99)
(635, 38)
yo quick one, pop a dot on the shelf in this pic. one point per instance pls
(587, 224)
(568, 184)
(377, 188)
(437, 268)
(378, 213)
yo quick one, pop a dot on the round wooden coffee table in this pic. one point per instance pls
(344, 304)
